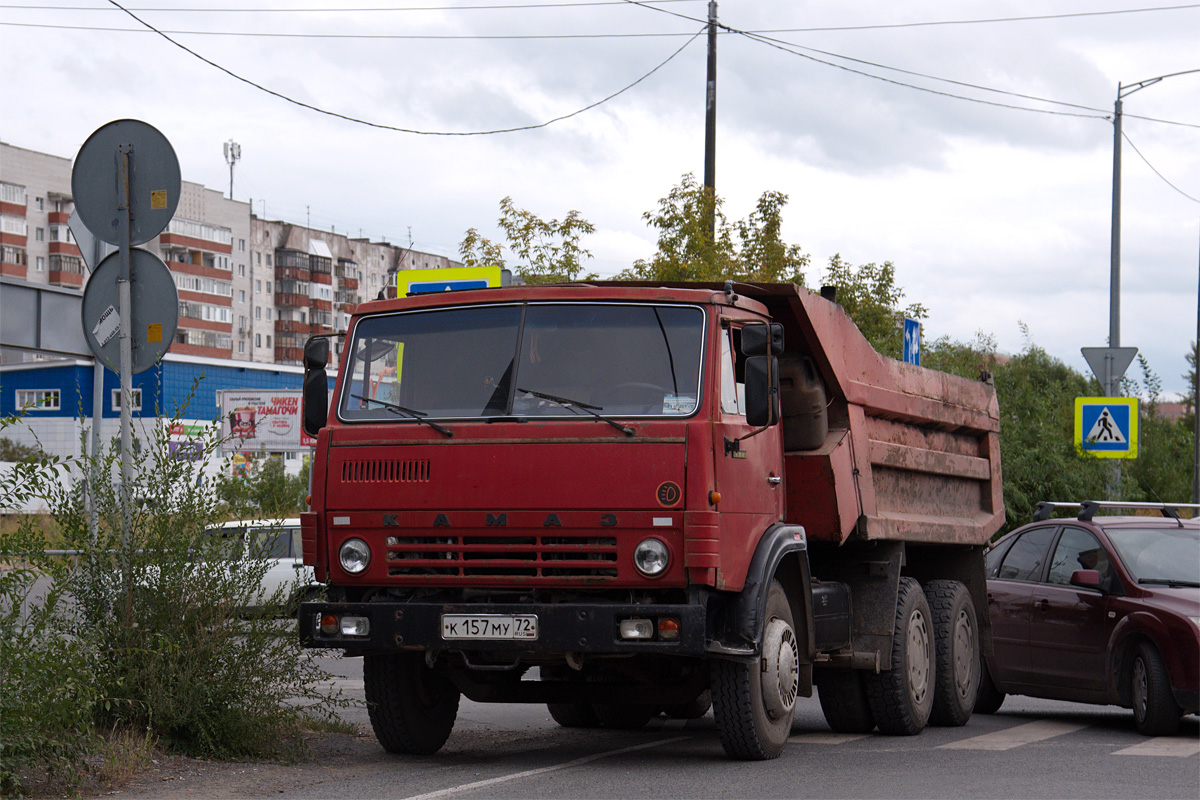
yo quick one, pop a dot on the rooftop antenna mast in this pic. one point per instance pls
(233, 154)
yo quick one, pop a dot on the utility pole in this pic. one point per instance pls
(233, 154)
(710, 120)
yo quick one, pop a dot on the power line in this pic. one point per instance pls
(498, 6)
(399, 129)
(1155, 170)
(395, 36)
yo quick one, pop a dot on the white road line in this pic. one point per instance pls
(1015, 737)
(826, 738)
(1171, 746)
(467, 787)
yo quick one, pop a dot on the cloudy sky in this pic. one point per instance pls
(998, 218)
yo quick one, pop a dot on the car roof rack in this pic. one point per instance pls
(1088, 508)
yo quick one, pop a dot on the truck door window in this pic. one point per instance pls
(733, 389)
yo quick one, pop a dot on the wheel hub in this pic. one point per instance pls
(964, 656)
(780, 669)
(1141, 689)
(918, 657)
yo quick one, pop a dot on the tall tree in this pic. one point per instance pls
(749, 250)
(871, 297)
(546, 251)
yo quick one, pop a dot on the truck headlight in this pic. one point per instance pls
(651, 557)
(354, 556)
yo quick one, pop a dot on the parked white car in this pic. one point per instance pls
(278, 540)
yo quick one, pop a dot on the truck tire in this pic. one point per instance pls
(573, 715)
(844, 701)
(753, 703)
(1155, 712)
(990, 698)
(624, 717)
(902, 698)
(956, 653)
(693, 710)
(412, 708)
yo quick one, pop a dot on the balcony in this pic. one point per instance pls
(67, 278)
(289, 355)
(291, 326)
(349, 283)
(286, 273)
(288, 300)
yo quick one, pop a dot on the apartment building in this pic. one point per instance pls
(250, 289)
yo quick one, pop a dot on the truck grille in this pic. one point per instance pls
(386, 471)
(522, 557)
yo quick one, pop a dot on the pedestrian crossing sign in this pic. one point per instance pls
(1107, 427)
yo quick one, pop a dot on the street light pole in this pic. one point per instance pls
(710, 120)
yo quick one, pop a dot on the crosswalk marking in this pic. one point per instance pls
(1016, 736)
(826, 738)
(1172, 746)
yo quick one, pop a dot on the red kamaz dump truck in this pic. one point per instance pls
(660, 496)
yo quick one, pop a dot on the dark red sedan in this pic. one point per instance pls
(1098, 609)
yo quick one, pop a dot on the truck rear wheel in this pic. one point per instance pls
(412, 708)
(956, 648)
(844, 701)
(753, 703)
(902, 698)
(574, 715)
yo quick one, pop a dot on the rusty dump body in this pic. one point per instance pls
(574, 477)
(911, 454)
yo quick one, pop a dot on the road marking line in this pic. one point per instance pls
(825, 738)
(1171, 746)
(467, 787)
(1015, 737)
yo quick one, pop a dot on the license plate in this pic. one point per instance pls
(490, 626)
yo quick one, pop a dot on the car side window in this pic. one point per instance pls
(273, 543)
(1025, 558)
(1077, 549)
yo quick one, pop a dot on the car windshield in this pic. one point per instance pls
(1160, 553)
(525, 360)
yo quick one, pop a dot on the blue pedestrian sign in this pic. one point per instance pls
(912, 341)
(1107, 427)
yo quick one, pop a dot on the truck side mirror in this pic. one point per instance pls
(316, 386)
(754, 339)
(762, 389)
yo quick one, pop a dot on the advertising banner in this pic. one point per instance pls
(262, 419)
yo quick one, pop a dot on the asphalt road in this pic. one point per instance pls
(1031, 748)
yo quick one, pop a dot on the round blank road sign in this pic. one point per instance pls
(154, 181)
(155, 303)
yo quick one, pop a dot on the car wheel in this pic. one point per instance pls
(574, 715)
(844, 701)
(624, 717)
(1155, 711)
(754, 702)
(956, 653)
(989, 698)
(902, 698)
(412, 708)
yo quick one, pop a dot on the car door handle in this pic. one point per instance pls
(1042, 605)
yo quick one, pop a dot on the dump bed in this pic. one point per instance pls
(911, 454)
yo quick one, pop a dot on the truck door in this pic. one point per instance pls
(749, 472)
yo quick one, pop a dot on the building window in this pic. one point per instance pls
(241, 347)
(268, 287)
(268, 340)
(268, 313)
(39, 234)
(40, 203)
(258, 256)
(135, 395)
(38, 399)
(241, 270)
(242, 245)
(268, 259)
(258, 286)
(241, 295)
(258, 340)
(258, 312)
(41, 264)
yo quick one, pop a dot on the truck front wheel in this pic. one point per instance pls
(956, 644)
(412, 708)
(902, 698)
(753, 703)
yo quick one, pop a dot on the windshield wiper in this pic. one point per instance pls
(566, 402)
(419, 416)
(1168, 582)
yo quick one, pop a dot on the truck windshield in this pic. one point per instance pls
(495, 361)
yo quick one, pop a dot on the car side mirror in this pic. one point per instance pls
(1086, 579)
(762, 391)
(754, 339)
(315, 393)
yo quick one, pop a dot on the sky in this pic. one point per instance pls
(998, 219)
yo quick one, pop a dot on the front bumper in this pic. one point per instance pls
(562, 628)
